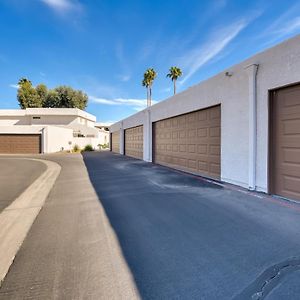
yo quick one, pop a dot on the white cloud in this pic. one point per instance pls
(285, 25)
(107, 123)
(102, 101)
(284, 28)
(123, 62)
(62, 5)
(124, 78)
(136, 104)
(166, 90)
(290, 27)
(197, 57)
(14, 86)
(218, 4)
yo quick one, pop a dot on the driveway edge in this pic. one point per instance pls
(17, 218)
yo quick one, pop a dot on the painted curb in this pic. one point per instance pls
(17, 218)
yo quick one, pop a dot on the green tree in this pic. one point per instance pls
(174, 74)
(66, 97)
(27, 95)
(24, 80)
(52, 99)
(40, 96)
(42, 92)
(149, 77)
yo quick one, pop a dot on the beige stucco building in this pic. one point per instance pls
(241, 126)
(48, 130)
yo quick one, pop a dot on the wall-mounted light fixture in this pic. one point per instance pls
(228, 74)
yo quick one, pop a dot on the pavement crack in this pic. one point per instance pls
(269, 279)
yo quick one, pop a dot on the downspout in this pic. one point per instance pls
(149, 136)
(44, 142)
(122, 139)
(252, 72)
(146, 134)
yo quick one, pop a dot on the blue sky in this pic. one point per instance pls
(103, 47)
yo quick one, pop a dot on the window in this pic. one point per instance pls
(36, 118)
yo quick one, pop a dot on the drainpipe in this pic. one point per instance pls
(252, 72)
(146, 136)
(149, 135)
(122, 136)
(44, 139)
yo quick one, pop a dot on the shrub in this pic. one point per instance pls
(88, 148)
(103, 146)
(76, 148)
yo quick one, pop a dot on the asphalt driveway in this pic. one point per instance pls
(185, 238)
(181, 237)
(16, 174)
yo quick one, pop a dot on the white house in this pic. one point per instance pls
(103, 128)
(241, 126)
(47, 130)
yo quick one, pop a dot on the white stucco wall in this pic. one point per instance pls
(46, 116)
(53, 120)
(14, 120)
(76, 119)
(56, 139)
(21, 129)
(278, 66)
(58, 112)
(103, 137)
(57, 127)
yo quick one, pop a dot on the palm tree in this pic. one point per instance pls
(149, 77)
(174, 74)
(146, 84)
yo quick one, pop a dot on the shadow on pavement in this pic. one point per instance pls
(182, 237)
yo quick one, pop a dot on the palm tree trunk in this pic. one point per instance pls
(147, 96)
(174, 82)
(150, 93)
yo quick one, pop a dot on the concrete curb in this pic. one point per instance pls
(17, 219)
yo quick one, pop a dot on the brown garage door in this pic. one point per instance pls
(115, 142)
(190, 142)
(20, 143)
(285, 150)
(134, 142)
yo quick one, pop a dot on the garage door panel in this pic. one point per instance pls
(214, 131)
(291, 183)
(291, 126)
(202, 132)
(215, 168)
(20, 143)
(115, 141)
(203, 166)
(215, 150)
(192, 164)
(215, 114)
(195, 142)
(202, 116)
(285, 175)
(134, 142)
(291, 155)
